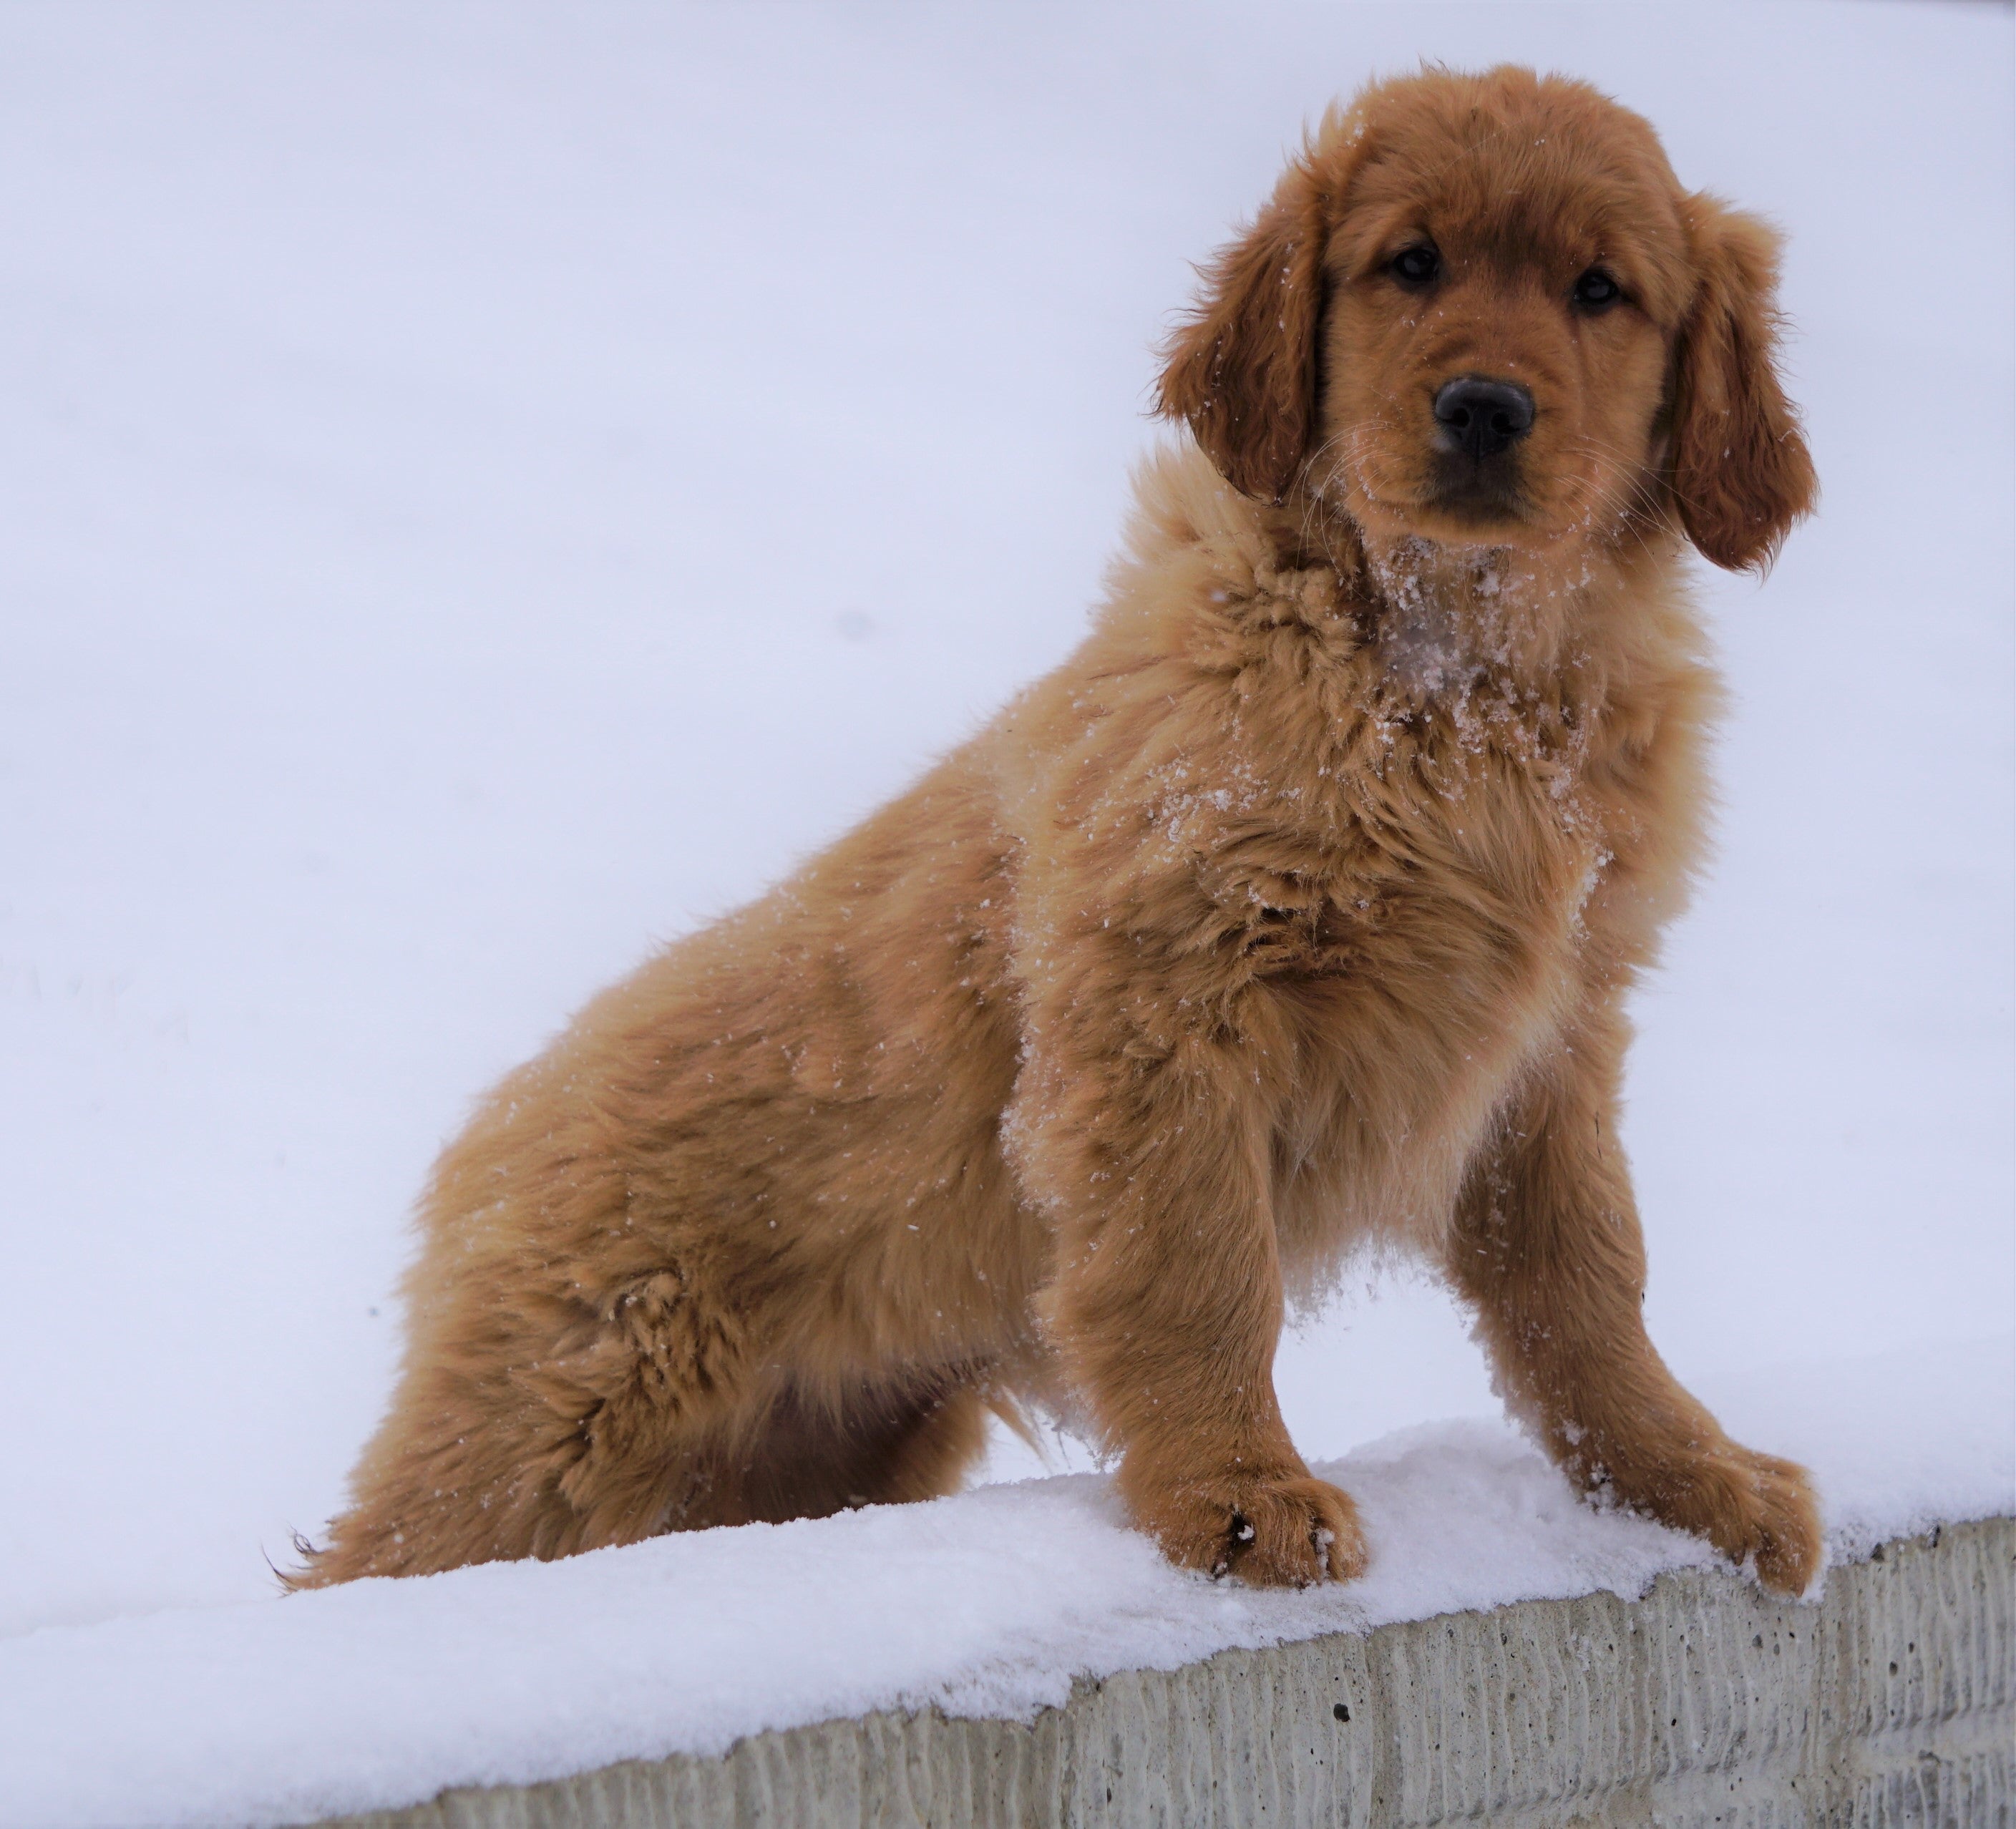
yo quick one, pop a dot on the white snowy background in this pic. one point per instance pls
(484, 488)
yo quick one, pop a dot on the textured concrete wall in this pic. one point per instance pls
(1893, 1702)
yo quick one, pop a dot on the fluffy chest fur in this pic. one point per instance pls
(1391, 856)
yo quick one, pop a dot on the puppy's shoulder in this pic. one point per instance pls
(1197, 749)
(1215, 624)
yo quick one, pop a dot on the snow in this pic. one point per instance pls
(384, 1693)
(487, 491)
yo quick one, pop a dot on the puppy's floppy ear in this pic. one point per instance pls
(1243, 370)
(1742, 472)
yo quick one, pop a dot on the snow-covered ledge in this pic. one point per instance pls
(1893, 1701)
(1012, 1655)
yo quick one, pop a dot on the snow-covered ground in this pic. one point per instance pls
(385, 1693)
(487, 487)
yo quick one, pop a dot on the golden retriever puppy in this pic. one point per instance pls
(1297, 909)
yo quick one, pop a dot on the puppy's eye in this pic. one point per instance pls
(1596, 289)
(1416, 266)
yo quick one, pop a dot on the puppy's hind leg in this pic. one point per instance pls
(546, 1422)
(1547, 1248)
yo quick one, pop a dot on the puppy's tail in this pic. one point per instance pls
(310, 1575)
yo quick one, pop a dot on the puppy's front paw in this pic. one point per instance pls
(1775, 1518)
(1748, 1505)
(1282, 1530)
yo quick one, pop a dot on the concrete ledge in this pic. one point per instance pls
(1893, 1702)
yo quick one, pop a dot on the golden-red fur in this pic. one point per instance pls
(1297, 909)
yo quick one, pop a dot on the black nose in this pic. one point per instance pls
(1484, 417)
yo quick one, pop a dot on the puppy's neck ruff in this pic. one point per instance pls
(1447, 624)
(1449, 621)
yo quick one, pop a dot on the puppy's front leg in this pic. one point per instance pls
(1547, 1246)
(1154, 1161)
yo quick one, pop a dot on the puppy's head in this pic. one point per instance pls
(1481, 311)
